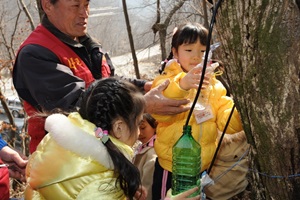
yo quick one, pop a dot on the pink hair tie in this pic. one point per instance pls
(103, 135)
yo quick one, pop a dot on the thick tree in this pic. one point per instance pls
(261, 50)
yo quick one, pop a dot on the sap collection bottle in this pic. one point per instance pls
(186, 163)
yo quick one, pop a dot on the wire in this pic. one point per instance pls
(220, 175)
(220, 141)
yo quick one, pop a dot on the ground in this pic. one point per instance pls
(148, 60)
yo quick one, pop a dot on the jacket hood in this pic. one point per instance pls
(76, 134)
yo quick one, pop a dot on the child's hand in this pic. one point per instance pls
(183, 195)
(141, 193)
(192, 79)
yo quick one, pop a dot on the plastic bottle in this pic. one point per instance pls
(204, 95)
(186, 163)
(202, 108)
(211, 49)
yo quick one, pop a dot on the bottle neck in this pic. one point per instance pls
(187, 129)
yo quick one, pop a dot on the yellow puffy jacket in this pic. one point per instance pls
(71, 163)
(170, 127)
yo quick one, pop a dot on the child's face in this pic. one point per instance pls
(146, 131)
(189, 55)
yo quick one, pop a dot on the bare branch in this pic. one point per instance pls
(14, 33)
(27, 14)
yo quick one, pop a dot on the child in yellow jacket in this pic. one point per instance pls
(188, 46)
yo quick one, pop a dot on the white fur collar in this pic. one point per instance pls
(71, 137)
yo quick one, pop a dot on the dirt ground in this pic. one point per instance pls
(148, 68)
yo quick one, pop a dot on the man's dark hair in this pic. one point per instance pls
(51, 1)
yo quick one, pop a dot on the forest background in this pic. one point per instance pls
(259, 47)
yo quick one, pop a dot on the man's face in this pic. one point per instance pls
(69, 16)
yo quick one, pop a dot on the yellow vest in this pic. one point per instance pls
(71, 163)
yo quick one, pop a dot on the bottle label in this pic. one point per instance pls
(203, 114)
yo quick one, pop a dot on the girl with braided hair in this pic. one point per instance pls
(88, 154)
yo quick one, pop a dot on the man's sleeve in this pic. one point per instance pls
(39, 76)
(137, 82)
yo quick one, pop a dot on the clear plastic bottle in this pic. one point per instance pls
(203, 110)
(186, 163)
(204, 95)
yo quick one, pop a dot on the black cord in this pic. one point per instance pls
(205, 60)
(220, 141)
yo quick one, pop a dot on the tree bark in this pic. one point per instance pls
(260, 47)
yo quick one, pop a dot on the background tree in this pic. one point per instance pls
(40, 10)
(131, 41)
(12, 30)
(28, 15)
(161, 27)
(260, 45)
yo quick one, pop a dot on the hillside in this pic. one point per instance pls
(148, 61)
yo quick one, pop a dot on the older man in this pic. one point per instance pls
(59, 60)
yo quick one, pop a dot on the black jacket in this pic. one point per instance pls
(37, 72)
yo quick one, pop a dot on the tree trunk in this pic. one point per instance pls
(131, 42)
(205, 15)
(260, 47)
(40, 10)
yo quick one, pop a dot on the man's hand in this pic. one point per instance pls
(16, 164)
(158, 104)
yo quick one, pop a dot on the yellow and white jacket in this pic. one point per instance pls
(170, 127)
(71, 163)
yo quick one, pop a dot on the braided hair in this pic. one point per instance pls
(103, 102)
(187, 33)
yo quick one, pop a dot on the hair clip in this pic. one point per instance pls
(103, 135)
